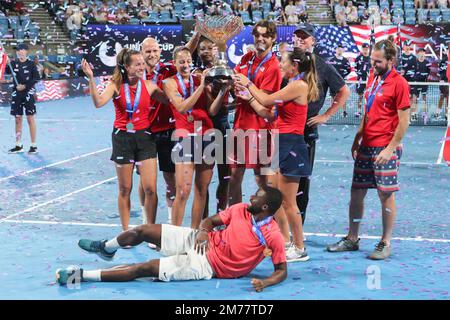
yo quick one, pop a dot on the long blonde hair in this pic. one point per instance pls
(123, 59)
(307, 64)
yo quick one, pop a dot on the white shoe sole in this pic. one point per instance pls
(304, 259)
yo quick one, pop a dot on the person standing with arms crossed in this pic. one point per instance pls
(377, 148)
(328, 77)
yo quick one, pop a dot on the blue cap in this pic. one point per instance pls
(307, 28)
(21, 46)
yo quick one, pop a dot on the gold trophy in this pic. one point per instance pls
(220, 29)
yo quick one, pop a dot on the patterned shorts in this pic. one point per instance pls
(366, 174)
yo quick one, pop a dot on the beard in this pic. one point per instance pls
(254, 210)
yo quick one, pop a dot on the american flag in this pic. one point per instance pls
(51, 90)
(353, 37)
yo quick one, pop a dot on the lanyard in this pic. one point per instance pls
(249, 72)
(183, 86)
(257, 228)
(137, 98)
(297, 77)
(156, 73)
(373, 93)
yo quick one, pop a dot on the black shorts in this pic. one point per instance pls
(443, 89)
(164, 146)
(293, 156)
(21, 101)
(360, 88)
(222, 124)
(132, 147)
(193, 149)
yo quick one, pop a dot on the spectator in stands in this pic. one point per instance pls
(122, 17)
(442, 4)
(386, 16)
(375, 17)
(422, 74)
(444, 71)
(162, 5)
(39, 66)
(290, 14)
(431, 4)
(20, 8)
(101, 16)
(408, 66)
(143, 12)
(236, 7)
(351, 13)
(246, 4)
(365, 17)
(363, 66)
(419, 4)
(339, 12)
(46, 73)
(342, 66)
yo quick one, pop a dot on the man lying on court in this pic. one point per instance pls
(250, 235)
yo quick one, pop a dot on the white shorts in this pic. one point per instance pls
(182, 261)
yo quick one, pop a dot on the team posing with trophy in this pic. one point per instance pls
(180, 116)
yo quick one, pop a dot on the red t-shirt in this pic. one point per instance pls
(199, 112)
(292, 118)
(161, 116)
(268, 78)
(236, 250)
(140, 119)
(382, 119)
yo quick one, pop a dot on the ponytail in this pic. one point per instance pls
(307, 64)
(123, 59)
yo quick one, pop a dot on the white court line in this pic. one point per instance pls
(401, 162)
(63, 120)
(332, 235)
(56, 199)
(53, 164)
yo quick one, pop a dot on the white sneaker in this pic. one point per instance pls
(294, 254)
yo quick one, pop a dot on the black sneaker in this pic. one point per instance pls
(345, 114)
(345, 244)
(33, 150)
(16, 149)
(97, 247)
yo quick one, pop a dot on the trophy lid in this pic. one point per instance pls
(220, 29)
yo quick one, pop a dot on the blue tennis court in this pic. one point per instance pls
(69, 191)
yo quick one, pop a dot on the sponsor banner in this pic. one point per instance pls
(104, 42)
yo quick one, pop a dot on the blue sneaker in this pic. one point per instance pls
(97, 247)
(71, 275)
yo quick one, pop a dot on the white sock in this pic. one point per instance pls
(33, 144)
(112, 245)
(169, 214)
(19, 143)
(93, 275)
